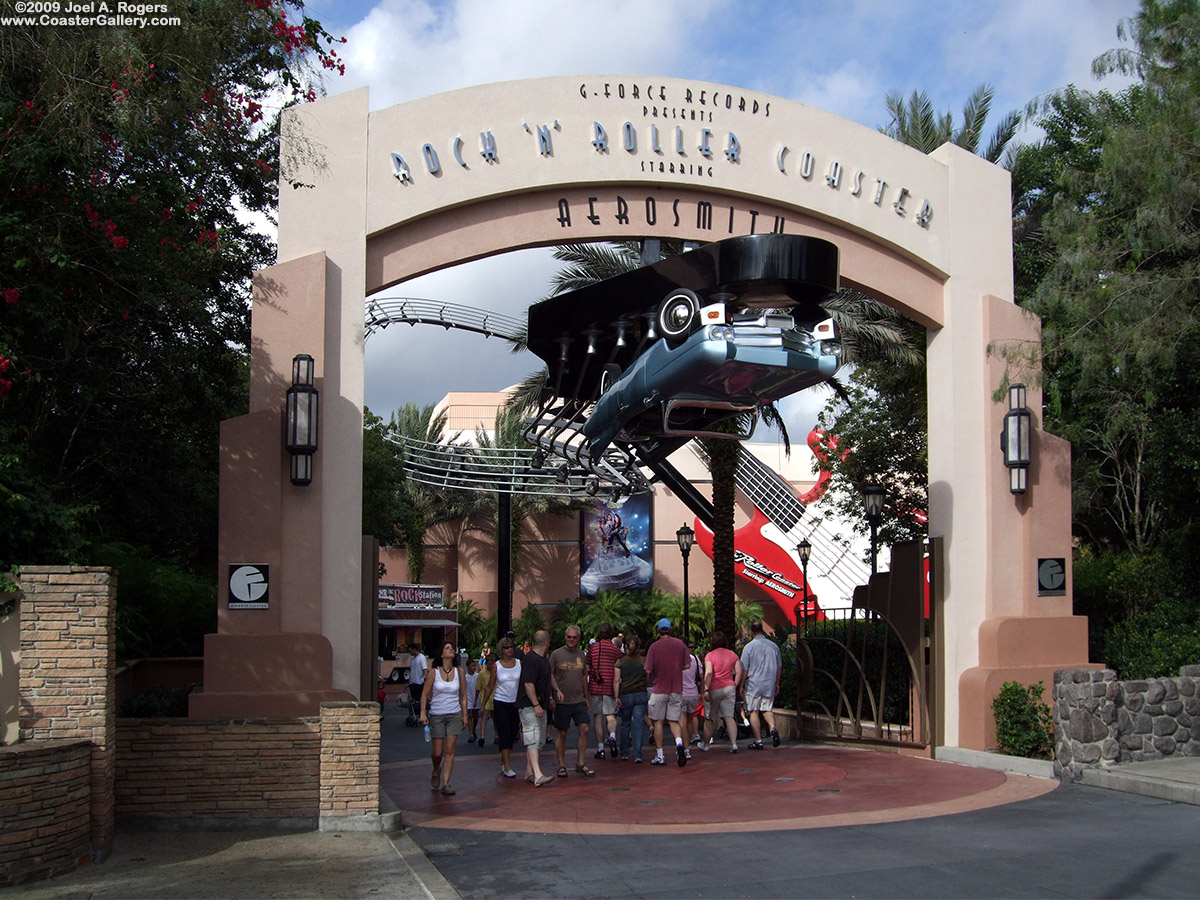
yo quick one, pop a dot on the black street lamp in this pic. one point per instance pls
(804, 551)
(872, 496)
(685, 536)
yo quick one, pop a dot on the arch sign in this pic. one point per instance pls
(462, 175)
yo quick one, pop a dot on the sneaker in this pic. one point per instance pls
(687, 753)
(774, 738)
(679, 755)
(447, 790)
(612, 747)
(624, 759)
(637, 759)
(481, 742)
(703, 747)
(658, 761)
(599, 754)
(756, 745)
(733, 749)
(507, 773)
(435, 780)
(695, 739)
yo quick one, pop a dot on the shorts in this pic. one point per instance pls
(533, 729)
(665, 706)
(602, 705)
(720, 703)
(758, 703)
(445, 725)
(689, 703)
(566, 713)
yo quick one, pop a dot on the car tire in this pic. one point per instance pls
(608, 376)
(395, 676)
(677, 315)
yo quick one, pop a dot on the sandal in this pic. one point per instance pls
(447, 790)
(562, 771)
(584, 771)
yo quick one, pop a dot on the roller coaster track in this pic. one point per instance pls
(384, 311)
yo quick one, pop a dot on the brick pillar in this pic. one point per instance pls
(68, 654)
(350, 766)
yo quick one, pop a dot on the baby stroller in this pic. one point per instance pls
(411, 720)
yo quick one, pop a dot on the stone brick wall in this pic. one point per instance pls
(1100, 721)
(67, 659)
(45, 809)
(185, 771)
(349, 761)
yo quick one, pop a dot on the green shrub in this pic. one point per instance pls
(158, 703)
(1024, 726)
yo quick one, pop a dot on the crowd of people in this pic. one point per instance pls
(612, 690)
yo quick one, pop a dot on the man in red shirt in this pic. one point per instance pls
(664, 668)
(602, 657)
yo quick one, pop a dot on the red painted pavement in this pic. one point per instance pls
(795, 786)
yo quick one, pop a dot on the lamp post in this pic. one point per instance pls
(872, 496)
(301, 419)
(685, 536)
(804, 551)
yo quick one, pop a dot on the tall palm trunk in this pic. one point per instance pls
(723, 460)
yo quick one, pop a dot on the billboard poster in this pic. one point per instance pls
(617, 552)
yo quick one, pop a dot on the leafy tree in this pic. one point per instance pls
(879, 417)
(414, 508)
(1118, 290)
(128, 158)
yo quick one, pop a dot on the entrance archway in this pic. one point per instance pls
(463, 175)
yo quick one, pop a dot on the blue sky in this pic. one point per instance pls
(843, 57)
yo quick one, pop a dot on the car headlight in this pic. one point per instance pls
(830, 348)
(720, 333)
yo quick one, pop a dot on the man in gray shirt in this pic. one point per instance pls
(762, 662)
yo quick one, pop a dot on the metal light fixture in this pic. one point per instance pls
(1015, 439)
(301, 438)
(804, 551)
(872, 497)
(685, 536)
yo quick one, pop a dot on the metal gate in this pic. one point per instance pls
(866, 673)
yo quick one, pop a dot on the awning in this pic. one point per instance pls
(424, 623)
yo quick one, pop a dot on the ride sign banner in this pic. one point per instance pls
(413, 596)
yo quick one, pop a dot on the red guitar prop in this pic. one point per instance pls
(765, 548)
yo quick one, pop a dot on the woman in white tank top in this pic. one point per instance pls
(502, 689)
(443, 705)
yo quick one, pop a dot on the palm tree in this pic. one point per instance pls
(420, 507)
(914, 122)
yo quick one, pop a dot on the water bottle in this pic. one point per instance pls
(427, 734)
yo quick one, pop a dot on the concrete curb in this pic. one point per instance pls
(1039, 768)
(432, 881)
(1158, 788)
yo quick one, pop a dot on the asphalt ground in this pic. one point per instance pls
(848, 823)
(804, 820)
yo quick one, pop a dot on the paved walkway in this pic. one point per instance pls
(800, 821)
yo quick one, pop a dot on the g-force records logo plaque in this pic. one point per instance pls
(249, 586)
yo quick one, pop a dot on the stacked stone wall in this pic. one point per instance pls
(349, 762)
(1100, 721)
(45, 809)
(181, 770)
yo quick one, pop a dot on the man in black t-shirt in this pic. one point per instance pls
(533, 699)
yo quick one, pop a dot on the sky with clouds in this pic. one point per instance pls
(842, 57)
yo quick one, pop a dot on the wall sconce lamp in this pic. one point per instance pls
(301, 438)
(1015, 439)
